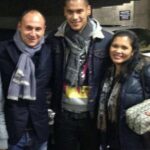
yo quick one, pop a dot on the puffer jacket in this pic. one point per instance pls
(131, 94)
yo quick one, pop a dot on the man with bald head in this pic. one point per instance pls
(25, 64)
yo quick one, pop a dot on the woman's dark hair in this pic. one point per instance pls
(128, 66)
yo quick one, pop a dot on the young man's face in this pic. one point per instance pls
(32, 29)
(76, 13)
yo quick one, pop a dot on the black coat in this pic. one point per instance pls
(23, 112)
(131, 94)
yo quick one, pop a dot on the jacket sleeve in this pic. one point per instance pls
(3, 131)
(146, 76)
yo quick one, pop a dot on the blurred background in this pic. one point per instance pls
(108, 12)
(113, 15)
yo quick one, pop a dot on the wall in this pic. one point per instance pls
(11, 22)
(110, 15)
(140, 14)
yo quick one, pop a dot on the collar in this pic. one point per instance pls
(97, 29)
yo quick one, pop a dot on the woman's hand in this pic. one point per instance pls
(147, 113)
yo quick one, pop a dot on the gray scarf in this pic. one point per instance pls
(76, 54)
(108, 104)
(23, 82)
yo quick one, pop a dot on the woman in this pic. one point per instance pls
(3, 131)
(122, 89)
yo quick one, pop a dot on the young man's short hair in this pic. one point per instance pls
(66, 1)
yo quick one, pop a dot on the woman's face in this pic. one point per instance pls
(120, 50)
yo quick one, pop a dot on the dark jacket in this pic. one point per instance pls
(132, 93)
(97, 63)
(20, 114)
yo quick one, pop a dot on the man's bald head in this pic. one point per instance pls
(32, 11)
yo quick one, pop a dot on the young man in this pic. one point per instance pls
(25, 64)
(80, 59)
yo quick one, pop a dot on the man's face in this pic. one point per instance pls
(32, 28)
(76, 13)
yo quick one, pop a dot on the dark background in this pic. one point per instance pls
(15, 8)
